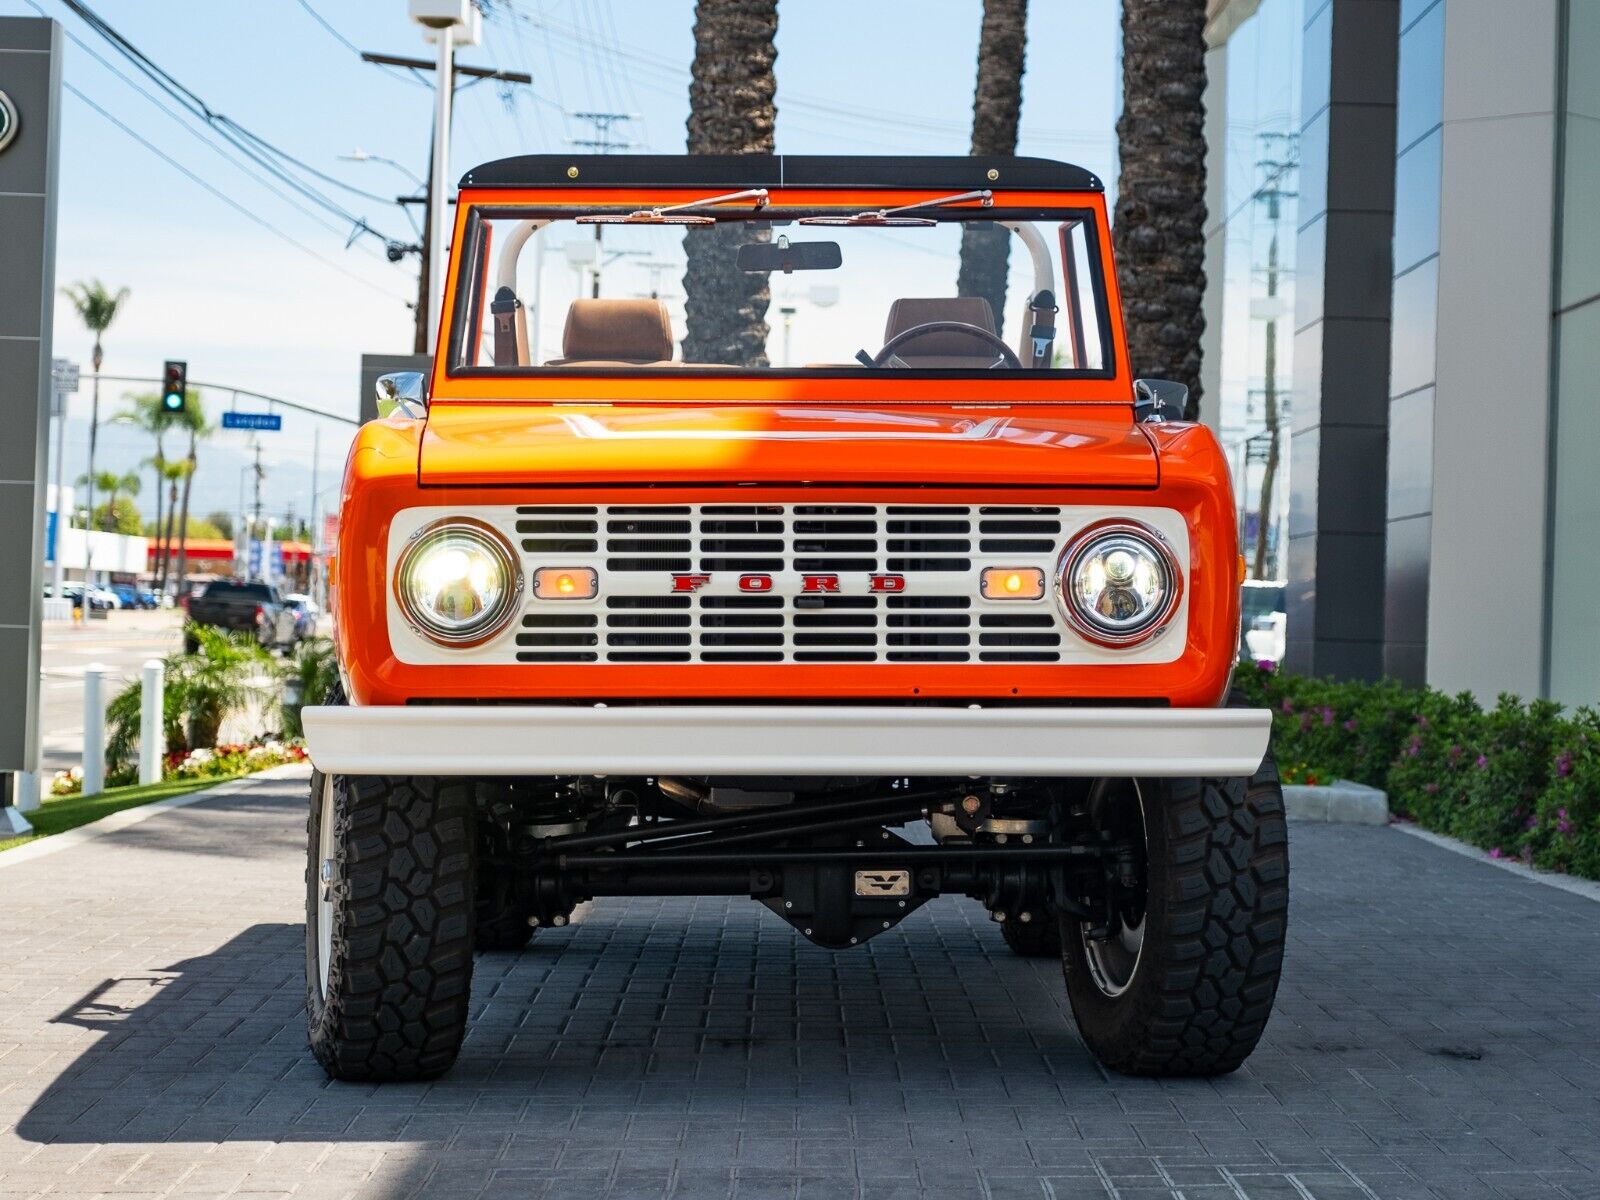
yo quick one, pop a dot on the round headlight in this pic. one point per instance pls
(1119, 583)
(458, 582)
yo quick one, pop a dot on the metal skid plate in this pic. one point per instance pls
(839, 905)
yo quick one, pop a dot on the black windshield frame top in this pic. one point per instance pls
(468, 297)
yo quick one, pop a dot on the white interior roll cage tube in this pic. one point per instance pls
(510, 318)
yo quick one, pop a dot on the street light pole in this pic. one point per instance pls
(444, 89)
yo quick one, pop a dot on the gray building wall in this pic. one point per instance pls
(1338, 443)
(30, 66)
(1488, 576)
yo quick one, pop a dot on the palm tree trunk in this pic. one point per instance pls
(731, 111)
(183, 521)
(166, 543)
(996, 112)
(1161, 192)
(160, 461)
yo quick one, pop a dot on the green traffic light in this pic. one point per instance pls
(172, 401)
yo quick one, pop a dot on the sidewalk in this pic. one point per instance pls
(1435, 1037)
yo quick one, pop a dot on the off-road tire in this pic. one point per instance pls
(1032, 939)
(501, 922)
(401, 934)
(1201, 992)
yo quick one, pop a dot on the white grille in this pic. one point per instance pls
(938, 615)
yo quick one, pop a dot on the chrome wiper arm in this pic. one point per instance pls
(660, 216)
(889, 216)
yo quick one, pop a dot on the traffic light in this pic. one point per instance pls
(174, 386)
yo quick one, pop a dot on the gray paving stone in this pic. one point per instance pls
(1425, 1046)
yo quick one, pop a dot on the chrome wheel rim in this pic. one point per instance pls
(324, 867)
(1114, 961)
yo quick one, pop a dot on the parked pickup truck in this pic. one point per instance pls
(227, 604)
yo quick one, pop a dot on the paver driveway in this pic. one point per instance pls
(1438, 1034)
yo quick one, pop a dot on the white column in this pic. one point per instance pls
(151, 721)
(94, 729)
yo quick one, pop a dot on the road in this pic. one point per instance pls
(123, 642)
(1434, 1040)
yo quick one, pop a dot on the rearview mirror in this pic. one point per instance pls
(400, 394)
(786, 256)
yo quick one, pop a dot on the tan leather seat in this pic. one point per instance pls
(947, 348)
(616, 333)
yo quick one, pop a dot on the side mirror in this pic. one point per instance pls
(1156, 400)
(401, 395)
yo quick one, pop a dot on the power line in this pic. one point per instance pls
(220, 195)
(263, 153)
(351, 46)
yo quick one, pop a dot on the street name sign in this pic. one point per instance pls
(249, 420)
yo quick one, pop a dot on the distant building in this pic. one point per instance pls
(1402, 191)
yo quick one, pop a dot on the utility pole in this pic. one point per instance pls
(1272, 193)
(255, 522)
(438, 164)
(602, 143)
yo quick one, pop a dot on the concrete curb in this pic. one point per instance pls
(1340, 802)
(132, 816)
(1587, 888)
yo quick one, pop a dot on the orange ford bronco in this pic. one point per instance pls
(918, 593)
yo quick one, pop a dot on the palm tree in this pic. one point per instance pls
(174, 473)
(1161, 191)
(147, 413)
(97, 307)
(192, 419)
(996, 111)
(114, 486)
(731, 111)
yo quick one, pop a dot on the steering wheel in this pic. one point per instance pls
(887, 356)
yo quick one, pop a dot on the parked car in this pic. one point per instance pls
(616, 622)
(129, 596)
(306, 613)
(257, 607)
(98, 599)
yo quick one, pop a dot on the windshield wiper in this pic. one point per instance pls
(661, 216)
(886, 216)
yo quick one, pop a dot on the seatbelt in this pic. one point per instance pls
(510, 329)
(1042, 334)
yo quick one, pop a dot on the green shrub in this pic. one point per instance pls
(1519, 780)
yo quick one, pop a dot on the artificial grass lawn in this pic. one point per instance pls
(57, 814)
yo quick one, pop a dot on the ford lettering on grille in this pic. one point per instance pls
(796, 583)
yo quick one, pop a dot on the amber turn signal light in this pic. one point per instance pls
(1012, 583)
(566, 583)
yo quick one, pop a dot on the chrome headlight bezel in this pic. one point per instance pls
(484, 537)
(1096, 538)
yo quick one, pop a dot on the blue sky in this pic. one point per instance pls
(247, 308)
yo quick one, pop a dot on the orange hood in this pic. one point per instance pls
(505, 443)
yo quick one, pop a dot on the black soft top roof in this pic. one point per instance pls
(779, 170)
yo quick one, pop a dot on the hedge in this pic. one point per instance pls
(1519, 780)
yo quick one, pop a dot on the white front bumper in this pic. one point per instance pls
(678, 739)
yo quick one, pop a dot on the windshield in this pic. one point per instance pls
(940, 288)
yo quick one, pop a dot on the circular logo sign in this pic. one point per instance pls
(8, 120)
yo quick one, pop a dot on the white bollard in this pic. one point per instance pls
(151, 721)
(94, 729)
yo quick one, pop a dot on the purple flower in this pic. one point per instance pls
(1422, 722)
(1305, 722)
(1287, 706)
(1532, 823)
(1350, 725)
(1495, 853)
(1562, 824)
(1414, 747)
(1563, 764)
(1266, 665)
(1482, 762)
(1327, 717)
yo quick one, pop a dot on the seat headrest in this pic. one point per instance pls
(907, 313)
(618, 330)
